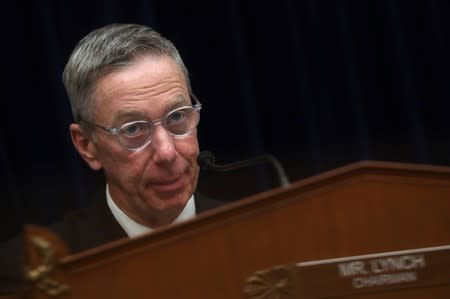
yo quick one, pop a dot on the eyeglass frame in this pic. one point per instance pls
(115, 131)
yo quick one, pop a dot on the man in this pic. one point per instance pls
(136, 120)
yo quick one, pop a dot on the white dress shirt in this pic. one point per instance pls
(134, 229)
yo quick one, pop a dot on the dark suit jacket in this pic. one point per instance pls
(80, 230)
(97, 225)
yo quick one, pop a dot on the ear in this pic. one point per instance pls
(85, 146)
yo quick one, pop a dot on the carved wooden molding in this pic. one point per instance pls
(273, 283)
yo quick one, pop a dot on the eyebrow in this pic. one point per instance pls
(131, 115)
(125, 116)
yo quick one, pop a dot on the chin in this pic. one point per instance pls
(167, 201)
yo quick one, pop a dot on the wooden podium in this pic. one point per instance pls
(366, 230)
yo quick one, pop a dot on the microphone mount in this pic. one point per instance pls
(206, 160)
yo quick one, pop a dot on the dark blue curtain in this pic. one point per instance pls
(319, 84)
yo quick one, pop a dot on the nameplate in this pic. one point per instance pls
(414, 268)
(347, 276)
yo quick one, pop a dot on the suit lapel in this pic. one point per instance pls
(203, 203)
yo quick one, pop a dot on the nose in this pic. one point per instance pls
(163, 145)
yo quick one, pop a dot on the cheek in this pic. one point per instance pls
(136, 163)
(188, 148)
(123, 165)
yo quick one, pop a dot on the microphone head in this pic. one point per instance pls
(205, 158)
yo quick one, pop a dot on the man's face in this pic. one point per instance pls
(151, 185)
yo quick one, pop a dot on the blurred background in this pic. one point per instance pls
(318, 84)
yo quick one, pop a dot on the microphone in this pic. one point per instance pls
(206, 160)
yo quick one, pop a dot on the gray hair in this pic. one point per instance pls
(105, 50)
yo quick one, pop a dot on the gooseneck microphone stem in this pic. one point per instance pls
(206, 161)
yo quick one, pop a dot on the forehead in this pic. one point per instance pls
(148, 87)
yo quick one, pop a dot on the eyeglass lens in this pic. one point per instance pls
(178, 123)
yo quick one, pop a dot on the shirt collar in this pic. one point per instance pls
(134, 229)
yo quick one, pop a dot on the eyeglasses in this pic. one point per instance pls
(137, 134)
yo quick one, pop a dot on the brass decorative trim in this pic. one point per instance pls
(273, 283)
(40, 276)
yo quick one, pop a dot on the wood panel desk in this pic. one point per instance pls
(353, 220)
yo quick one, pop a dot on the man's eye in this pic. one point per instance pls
(132, 130)
(176, 117)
